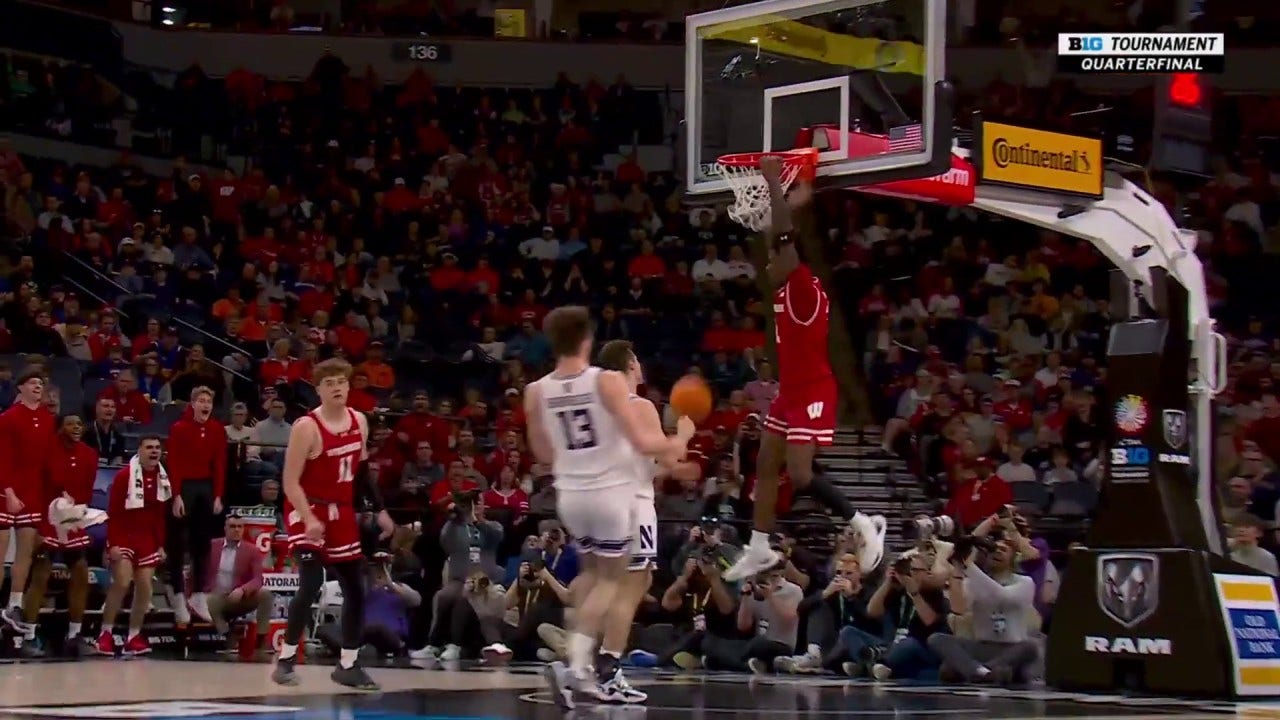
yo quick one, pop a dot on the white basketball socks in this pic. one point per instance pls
(579, 649)
(347, 658)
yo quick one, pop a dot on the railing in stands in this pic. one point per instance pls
(123, 297)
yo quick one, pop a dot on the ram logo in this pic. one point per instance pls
(1128, 646)
(1128, 586)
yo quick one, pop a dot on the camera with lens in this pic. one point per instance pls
(533, 558)
(924, 527)
(464, 503)
(964, 546)
(902, 566)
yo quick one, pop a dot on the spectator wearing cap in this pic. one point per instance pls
(422, 425)
(542, 247)
(381, 375)
(977, 494)
(1246, 533)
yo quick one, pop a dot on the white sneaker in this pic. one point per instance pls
(430, 652)
(200, 606)
(496, 654)
(546, 655)
(754, 561)
(786, 664)
(451, 653)
(881, 672)
(558, 681)
(181, 613)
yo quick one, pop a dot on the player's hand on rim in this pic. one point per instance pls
(771, 167)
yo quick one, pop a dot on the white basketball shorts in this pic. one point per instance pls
(600, 519)
(644, 537)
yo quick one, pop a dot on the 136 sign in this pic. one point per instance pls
(421, 52)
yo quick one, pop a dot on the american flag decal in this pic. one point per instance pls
(905, 137)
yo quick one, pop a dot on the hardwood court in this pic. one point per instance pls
(159, 688)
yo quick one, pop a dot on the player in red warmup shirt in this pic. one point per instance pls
(325, 464)
(26, 436)
(136, 507)
(73, 465)
(802, 417)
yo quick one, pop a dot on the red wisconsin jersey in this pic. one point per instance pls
(327, 477)
(801, 314)
(27, 436)
(72, 469)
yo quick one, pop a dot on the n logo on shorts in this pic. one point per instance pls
(647, 540)
(815, 410)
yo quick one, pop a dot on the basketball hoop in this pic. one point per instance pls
(751, 206)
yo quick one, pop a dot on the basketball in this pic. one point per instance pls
(692, 397)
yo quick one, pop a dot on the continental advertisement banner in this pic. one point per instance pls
(1038, 159)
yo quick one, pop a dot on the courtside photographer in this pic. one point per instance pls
(992, 612)
(709, 540)
(470, 543)
(913, 609)
(702, 606)
(386, 612)
(842, 635)
(536, 603)
(768, 611)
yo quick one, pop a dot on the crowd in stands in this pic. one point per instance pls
(423, 232)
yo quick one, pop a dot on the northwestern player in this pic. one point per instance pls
(802, 417)
(323, 464)
(582, 422)
(618, 355)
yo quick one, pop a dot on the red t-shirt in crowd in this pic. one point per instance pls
(975, 500)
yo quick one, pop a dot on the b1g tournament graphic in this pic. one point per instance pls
(1141, 53)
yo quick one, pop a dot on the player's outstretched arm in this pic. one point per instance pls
(615, 395)
(647, 416)
(539, 442)
(302, 436)
(781, 233)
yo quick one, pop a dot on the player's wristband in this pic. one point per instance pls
(784, 238)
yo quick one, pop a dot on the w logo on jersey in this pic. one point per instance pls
(815, 410)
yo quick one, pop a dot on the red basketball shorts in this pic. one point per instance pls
(341, 541)
(33, 512)
(141, 549)
(804, 413)
(76, 539)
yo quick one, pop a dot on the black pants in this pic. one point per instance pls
(523, 638)
(193, 532)
(379, 637)
(725, 654)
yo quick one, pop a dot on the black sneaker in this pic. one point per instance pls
(30, 650)
(354, 677)
(284, 674)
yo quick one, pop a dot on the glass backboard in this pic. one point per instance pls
(756, 75)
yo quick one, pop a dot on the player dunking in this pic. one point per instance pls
(324, 464)
(802, 417)
(584, 424)
(619, 356)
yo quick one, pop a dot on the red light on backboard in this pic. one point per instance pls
(1185, 90)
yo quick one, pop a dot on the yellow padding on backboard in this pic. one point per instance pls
(1248, 592)
(787, 37)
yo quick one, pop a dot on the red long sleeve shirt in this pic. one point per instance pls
(124, 526)
(72, 469)
(197, 450)
(26, 438)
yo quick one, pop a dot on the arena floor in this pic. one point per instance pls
(158, 688)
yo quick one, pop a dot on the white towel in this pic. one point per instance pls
(135, 500)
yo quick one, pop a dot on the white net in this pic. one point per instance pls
(751, 206)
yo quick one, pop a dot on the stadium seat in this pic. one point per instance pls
(1032, 498)
(1074, 499)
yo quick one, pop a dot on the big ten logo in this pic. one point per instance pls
(1085, 44)
(1130, 456)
